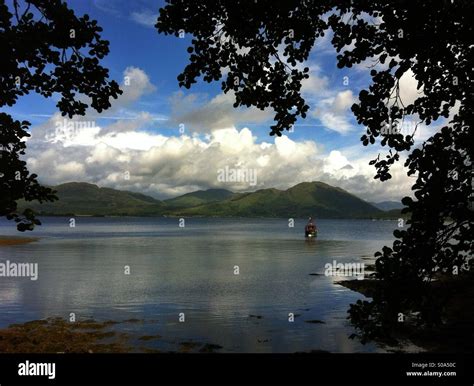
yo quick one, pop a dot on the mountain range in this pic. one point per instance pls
(388, 205)
(302, 200)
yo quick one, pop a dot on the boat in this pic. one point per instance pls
(310, 231)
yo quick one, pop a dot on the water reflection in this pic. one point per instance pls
(192, 270)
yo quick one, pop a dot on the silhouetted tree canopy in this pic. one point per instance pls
(258, 49)
(44, 48)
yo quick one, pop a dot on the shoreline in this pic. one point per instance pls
(57, 335)
(456, 334)
(16, 240)
(177, 216)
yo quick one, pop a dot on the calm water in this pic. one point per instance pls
(190, 270)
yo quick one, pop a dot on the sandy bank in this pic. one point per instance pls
(16, 240)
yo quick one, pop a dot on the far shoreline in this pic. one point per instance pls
(70, 215)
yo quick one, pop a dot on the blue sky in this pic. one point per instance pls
(326, 144)
(135, 42)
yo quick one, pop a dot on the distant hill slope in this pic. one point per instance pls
(388, 205)
(80, 198)
(393, 214)
(199, 197)
(308, 198)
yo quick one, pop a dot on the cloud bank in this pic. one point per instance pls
(123, 155)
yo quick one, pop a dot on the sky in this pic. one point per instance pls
(165, 141)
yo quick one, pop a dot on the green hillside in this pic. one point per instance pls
(388, 205)
(80, 198)
(393, 214)
(306, 199)
(199, 197)
(309, 198)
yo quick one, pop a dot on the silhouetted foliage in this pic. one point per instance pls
(258, 48)
(40, 51)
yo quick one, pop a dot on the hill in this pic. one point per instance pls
(199, 197)
(393, 214)
(388, 205)
(308, 198)
(80, 198)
